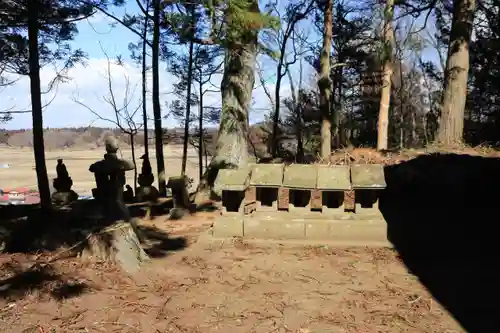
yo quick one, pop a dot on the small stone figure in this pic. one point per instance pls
(146, 166)
(146, 191)
(128, 195)
(180, 196)
(62, 184)
(61, 170)
(109, 174)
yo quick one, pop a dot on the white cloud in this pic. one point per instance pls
(89, 84)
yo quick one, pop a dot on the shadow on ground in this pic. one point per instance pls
(26, 230)
(166, 208)
(41, 279)
(23, 229)
(159, 243)
(442, 212)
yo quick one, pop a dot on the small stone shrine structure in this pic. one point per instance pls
(63, 195)
(301, 201)
(146, 191)
(119, 241)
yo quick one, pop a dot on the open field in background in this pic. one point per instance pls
(21, 172)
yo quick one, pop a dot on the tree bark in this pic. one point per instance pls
(300, 141)
(144, 85)
(36, 106)
(236, 89)
(160, 161)
(188, 98)
(451, 124)
(325, 84)
(299, 155)
(132, 147)
(201, 145)
(385, 95)
(117, 244)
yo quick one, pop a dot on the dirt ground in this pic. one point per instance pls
(221, 287)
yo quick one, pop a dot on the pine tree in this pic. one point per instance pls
(30, 29)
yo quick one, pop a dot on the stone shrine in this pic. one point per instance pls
(109, 175)
(119, 240)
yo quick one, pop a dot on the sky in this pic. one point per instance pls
(88, 83)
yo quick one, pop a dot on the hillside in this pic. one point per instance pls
(93, 137)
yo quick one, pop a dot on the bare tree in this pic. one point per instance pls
(387, 70)
(293, 14)
(124, 112)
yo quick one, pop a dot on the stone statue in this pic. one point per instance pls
(109, 174)
(146, 166)
(61, 170)
(128, 195)
(146, 191)
(63, 195)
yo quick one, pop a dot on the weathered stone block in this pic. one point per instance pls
(347, 230)
(249, 207)
(300, 176)
(283, 198)
(273, 229)
(251, 194)
(317, 230)
(316, 200)
(228, 227)
(368, 176)
(349, 200)
(333, 178)
(178, 185)
(267, 175)
(232, 179)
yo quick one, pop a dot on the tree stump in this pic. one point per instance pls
(118, 244)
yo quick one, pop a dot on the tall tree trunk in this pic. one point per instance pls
(299, 155)
(385, 95)
(36, 106)
(414, 137)
(337, 104)
(160, 161)
(277, 100)
(402, 90)
(451, 124)
(201, 145)
(132, 147)
(340, 108)
(300, 140)
(144, 84)
(325, 84)
(236, 89)
(276, 116)
(188, 97)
